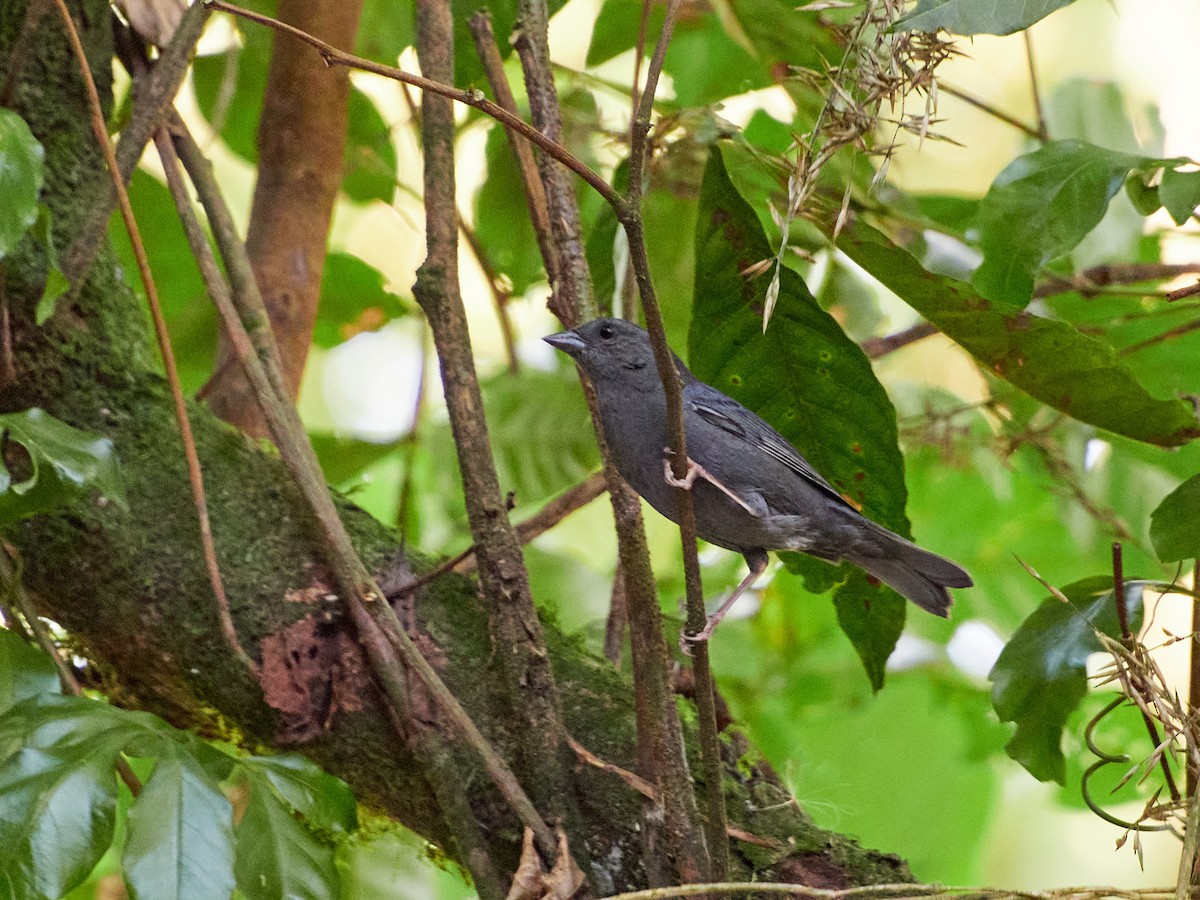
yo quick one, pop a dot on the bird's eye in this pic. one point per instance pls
(606, 332)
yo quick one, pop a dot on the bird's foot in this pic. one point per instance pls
(688, 641)
(694, 471)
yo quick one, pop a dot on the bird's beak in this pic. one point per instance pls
(568, 342)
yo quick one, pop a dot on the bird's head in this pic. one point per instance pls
(609, 349)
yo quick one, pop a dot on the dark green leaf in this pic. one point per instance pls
(1040, 207)
(385, 29)
(230, 86)
(468, 72)
(1041, 675)
(323, 800)
(64, 464)
(806, 378)
(1048, 359)
(81, 728)
(56, 820)
(21, 177)
(56, 281)
(370, 156)
(1180, 193)
(25, 671)
(191, 318)
(277, 856)
(1143, 196)
(342, 458)
(541, 434)
(968, 17)
(502, 218)
(230, 89)
(1174, 525)
(353, 299)
(180, 843)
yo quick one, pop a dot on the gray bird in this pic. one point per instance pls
(752, 491)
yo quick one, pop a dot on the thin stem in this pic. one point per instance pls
(1043, 132)
(993, 111)
(1194, 684)
(535, 191)
(500, 294)
(195, 477)
(473, 98)
(375, 620)
(710, 753)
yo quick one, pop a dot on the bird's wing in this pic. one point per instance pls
(726, 413)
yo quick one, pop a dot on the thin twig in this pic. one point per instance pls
(539, 523)
(898, 892)
(1043, 132)
(875, 347)
(1193, 781)
(1169, 334)
(473, 98)
(513, 624)
(710, 753)
(152, 97)
(1129, 639)
(535, 192)
(375, 621)
(1189, 291)
(1089, 280)
(195, 476)
(986, 107)
(500, 294)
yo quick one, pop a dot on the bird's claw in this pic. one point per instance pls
(694, 471)
(688, 641)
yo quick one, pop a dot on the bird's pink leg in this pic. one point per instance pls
(688, 641)
(694, 471)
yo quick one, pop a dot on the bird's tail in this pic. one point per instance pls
(919, 575)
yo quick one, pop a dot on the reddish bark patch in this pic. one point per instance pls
(814, 871)
(310, 673)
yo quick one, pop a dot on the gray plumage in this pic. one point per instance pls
(783, 503)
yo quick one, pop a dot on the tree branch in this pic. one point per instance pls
(513, 620)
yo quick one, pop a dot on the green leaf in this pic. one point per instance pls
(353, 299)
(540, 430)
(385, 29)
(230, 88)
(502, 218)
(342, 458)
(65, 463)
(21, 176)
(1144, 196)
(191, 317)
(180, 843)
(322, 799)
(809, 380)
(57, 814)
(967, 17)
(25, 671)
(56, 281)
(277, 856)
(1173, 525)
(1180, 193)
(1039, 208)
(1041, 675)
(370, 165)
(1048, 359)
